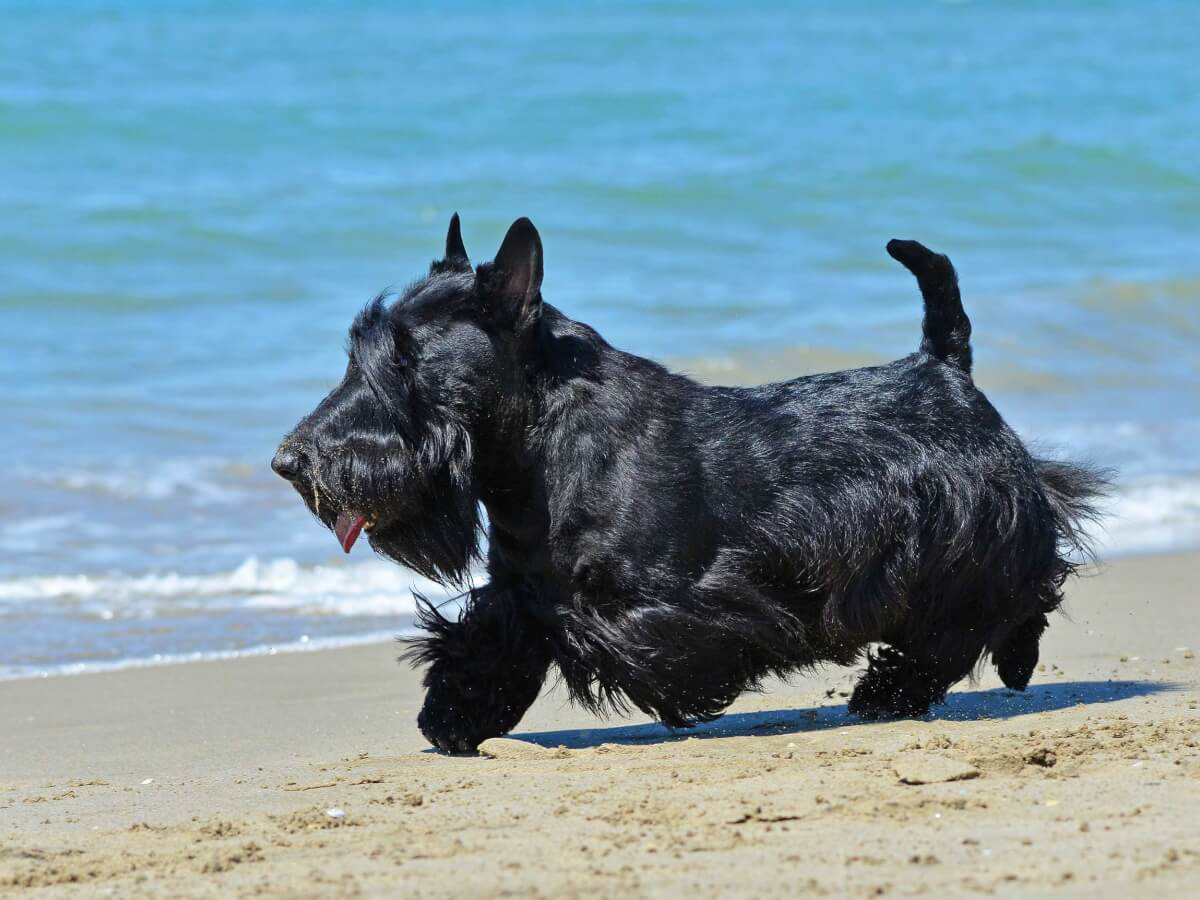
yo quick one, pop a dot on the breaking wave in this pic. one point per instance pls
(373, 588)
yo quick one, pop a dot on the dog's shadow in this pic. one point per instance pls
(961, 706)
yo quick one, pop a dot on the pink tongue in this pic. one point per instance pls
(347, 528)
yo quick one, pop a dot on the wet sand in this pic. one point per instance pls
(304, 774)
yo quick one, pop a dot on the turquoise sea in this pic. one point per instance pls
(195, 198)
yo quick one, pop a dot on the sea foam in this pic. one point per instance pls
(373, 587)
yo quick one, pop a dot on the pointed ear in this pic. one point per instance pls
(456, 253)
(518, 272)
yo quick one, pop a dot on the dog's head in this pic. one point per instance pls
(391, 450)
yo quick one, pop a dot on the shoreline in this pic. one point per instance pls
(319, 644)
(309, 645)
(219, 779)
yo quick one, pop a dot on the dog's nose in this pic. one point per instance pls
(287, 462)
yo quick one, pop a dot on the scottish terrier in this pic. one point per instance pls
(668, 545)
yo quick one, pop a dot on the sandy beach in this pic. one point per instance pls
(304, 774)
(200, 690)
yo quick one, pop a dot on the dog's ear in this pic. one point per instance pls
(517, 273)
(456, 252)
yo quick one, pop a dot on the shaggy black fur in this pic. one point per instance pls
(666, 544)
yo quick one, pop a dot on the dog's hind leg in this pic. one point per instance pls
(905, 680)
(1016, 655)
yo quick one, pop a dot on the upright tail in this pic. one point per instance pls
(947, 330)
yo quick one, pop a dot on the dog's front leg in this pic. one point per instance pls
(485, 668)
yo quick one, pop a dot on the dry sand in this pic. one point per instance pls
(219, 778)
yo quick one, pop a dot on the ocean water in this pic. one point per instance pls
(195, 198)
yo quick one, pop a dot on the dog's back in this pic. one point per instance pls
(890, 503)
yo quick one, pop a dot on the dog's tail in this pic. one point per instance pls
(947, 330)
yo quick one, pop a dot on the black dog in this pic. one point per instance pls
(667, 544)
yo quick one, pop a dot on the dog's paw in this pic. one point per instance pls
(874, 706)
(447, 729)
(445, 737)
(457, 717)
(893, 687)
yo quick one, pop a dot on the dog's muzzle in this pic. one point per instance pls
(288, 462)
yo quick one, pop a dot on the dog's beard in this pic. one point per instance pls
(434, 530)
(418, 506)
(437, 534)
